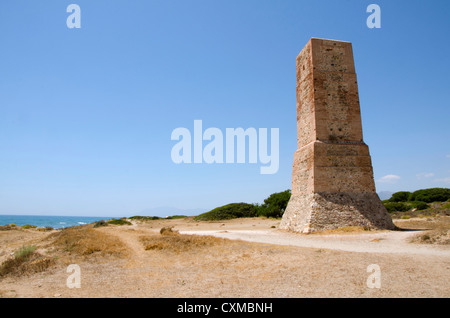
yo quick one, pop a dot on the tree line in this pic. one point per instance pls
(275, 205)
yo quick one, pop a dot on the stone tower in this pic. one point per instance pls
(332, 177)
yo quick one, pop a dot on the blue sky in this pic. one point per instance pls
(86, 115)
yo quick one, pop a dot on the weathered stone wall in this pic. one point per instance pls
(312, 212)
(341, 167)
(332, 177)
(305, 98)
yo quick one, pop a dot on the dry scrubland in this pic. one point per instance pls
(155, 259)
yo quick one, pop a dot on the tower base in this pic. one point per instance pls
(307, 213)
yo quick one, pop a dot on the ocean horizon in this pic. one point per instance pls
(54, 221)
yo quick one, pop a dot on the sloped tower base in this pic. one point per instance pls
(324, 211)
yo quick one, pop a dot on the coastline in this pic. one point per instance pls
(54, 221)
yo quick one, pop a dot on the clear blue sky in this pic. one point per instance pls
(86, 114)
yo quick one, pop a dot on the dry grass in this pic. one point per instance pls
(9, 227)
(437, 229)
(25, 261)
(168, 230)
(439, 234)
(85, 241)
(171, 240)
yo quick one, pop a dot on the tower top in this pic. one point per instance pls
(327, 93)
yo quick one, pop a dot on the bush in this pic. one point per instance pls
(172, 217)
(25, 251)
(403, 206)
(145, 218)
(151, 218)
(7, 228)
(25, 260)
(430, 195)
(420, 205)
(396, 206)
(44, 229)
(119, 222)
(28, 226)
(168, 230)
(100, 223)
(229, 211)
(401, 196)
(274, 205)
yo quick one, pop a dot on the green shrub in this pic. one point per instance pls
(28, 226)
(430, 195)
(25, 260)
(100, 223)
(274, 205)
(270, 211)
(420, 205)
(172, 217)
(25, 251)
(119, 222)
(396, 206)
(151, 218)
(229, 211)
(401, 196)
(145, 218)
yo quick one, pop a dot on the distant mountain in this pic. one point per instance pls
(385, 195)
(168, 211)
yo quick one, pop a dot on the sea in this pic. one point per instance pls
(56, 222)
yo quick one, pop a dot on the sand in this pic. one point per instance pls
(256, 260)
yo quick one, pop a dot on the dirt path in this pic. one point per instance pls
(130, 237)
(380, 242)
